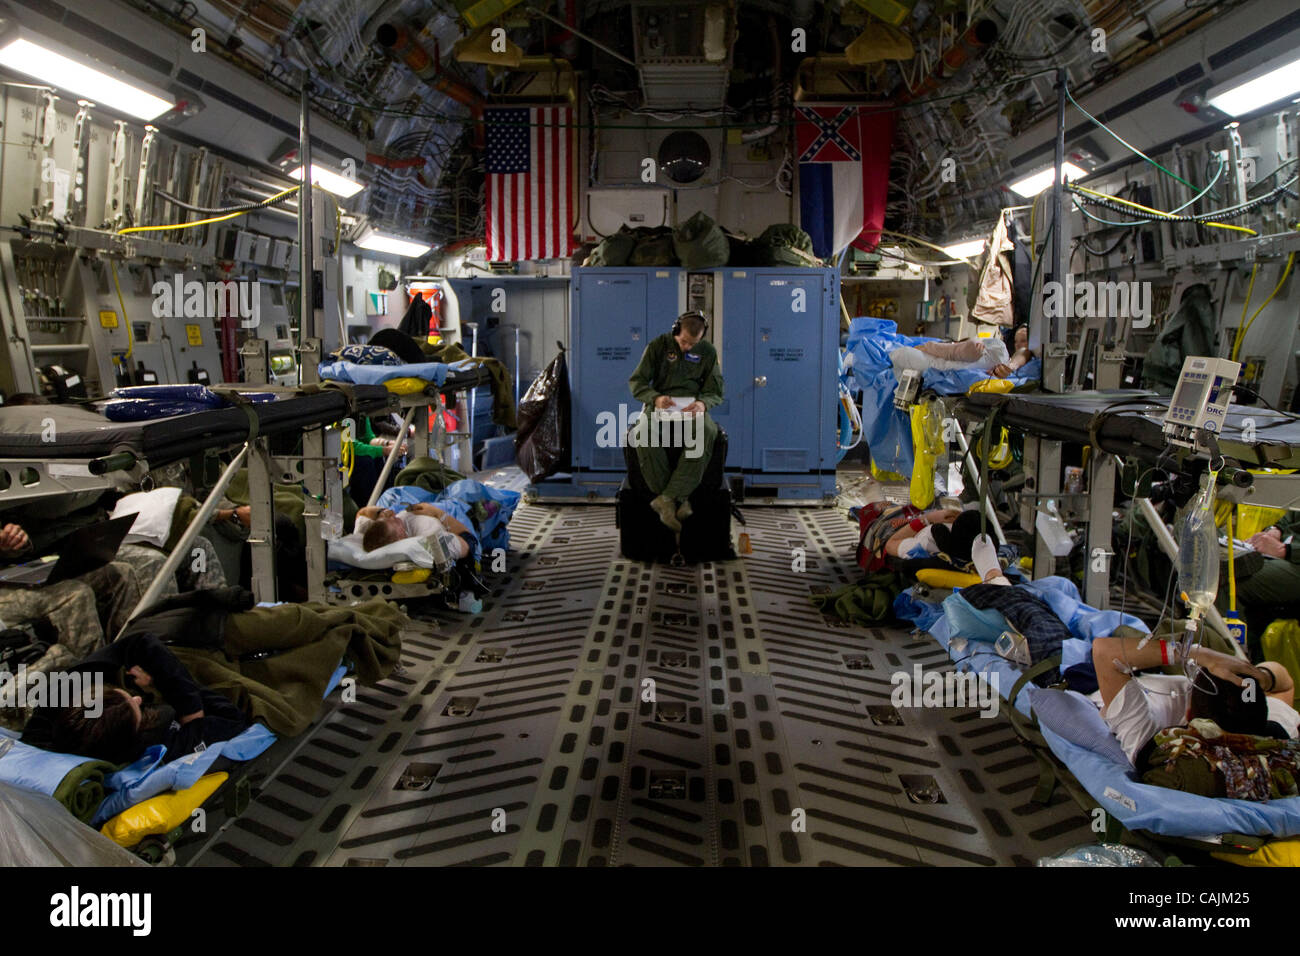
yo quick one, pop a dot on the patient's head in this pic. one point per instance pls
(118, 733)
(1238, 710)
(384, 530)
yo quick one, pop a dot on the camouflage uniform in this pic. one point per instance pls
(83, 610)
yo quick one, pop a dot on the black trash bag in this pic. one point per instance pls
(542, 440)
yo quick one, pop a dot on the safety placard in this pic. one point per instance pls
(107, 319)
(194, 334)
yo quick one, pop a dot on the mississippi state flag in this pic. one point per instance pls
(843, 175)
(529, 165)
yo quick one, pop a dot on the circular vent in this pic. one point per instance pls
(684, 156)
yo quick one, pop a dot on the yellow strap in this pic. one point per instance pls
(1232, 576)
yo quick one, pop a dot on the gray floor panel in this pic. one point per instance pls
(602, 712)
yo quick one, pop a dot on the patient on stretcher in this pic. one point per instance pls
(990, 355)
(379, 527)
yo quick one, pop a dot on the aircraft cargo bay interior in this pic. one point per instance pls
(648, 433)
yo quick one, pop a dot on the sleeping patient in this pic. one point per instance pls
(382, 526)
(990, 355)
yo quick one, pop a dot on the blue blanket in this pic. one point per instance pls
(139, 403)
(1140, 806)
(41, 770)
(1111, 781)
(149, 776)
(1084, 622)
(886, 429)
(457, 499)
(435, 372)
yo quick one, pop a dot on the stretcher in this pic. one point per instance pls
(361, 576)
(867, 370)
(1076, 750)
(43, 446)
(111, 799)
(1127, 423)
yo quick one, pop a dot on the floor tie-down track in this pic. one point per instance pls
(605, 712)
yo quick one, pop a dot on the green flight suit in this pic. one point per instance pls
(1265, 585)
(664, 370)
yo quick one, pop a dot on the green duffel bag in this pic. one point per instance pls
(784, 244)
(613, 250)
(700, 243)
(655, 249)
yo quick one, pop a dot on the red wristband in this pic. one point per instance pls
(1164, 653)
(916, 524)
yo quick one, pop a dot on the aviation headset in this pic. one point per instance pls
(677, 325)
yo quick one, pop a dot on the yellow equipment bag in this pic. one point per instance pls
(927, 443)
(1281, 642)
(882, 475)
(1276, 853)
(160, 814)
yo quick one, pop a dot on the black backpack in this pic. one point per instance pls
(24, 645)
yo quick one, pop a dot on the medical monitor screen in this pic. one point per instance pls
(1189, 394)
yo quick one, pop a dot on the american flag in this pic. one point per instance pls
(530, 179)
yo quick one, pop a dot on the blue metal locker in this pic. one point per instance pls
(614, 314)
(734, 336)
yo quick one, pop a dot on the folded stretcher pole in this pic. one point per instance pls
(1170, 547)
(181, 551)
(973, 470)
(393, 452)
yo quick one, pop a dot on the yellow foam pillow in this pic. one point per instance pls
(412, 576)
(160, 814)
(405, 386)
(939, 578)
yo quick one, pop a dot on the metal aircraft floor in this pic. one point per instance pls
(520, 736)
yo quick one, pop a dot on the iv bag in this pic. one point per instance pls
(1198, 553)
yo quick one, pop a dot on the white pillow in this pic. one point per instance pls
(155, 509)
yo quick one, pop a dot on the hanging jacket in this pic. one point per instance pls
(1189, 332)
(415, 322)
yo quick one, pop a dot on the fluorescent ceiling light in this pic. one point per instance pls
(381, 242)
(1035, 183)
(330, 181)
(1265, 84)
(67, 74)
(966, 249)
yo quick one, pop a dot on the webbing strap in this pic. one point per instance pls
(246, 406)
(1042, 667)
(986, 449)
